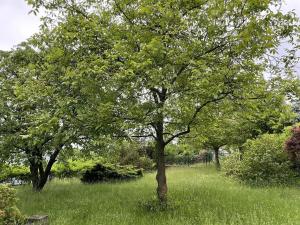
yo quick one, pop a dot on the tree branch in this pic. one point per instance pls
(198, 109)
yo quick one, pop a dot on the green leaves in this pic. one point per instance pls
(132, 66)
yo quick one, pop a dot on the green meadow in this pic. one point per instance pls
(197, 195)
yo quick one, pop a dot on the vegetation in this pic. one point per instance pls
(292, 146)
(199, 195)
(68, 169)
(264, 161)
(150, 70)
(109, 89)
(135, 154)
(36, 118)
(9, 213)
(102, 173)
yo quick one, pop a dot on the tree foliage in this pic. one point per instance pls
(162, 63)
(292, 146)
(37, 118)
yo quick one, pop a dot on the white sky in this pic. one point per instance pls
(16, 25)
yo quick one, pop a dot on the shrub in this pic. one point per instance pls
(9, 213)
(145, 163)
(73, 168)
(232, 165)
(263, 162)
(135, 155)
(292, 146)
(102, 173)
(70, 168)
(67, 169)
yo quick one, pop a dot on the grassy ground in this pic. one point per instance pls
(198, 195)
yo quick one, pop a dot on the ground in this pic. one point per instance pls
(197, 195)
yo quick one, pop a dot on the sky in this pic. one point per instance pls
(16, 24)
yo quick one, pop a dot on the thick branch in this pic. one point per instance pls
(52, 159)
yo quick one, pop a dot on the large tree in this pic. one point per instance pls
(171, 59)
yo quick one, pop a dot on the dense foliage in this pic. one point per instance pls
(292, 146)
(102, 173)
(69, 168)
(9, 213)
(184, 154)
(264, 161)
(161, 63)
(137, 155)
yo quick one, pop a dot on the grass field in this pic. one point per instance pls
(198, 195)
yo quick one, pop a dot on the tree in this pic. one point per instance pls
(44, 99)
(37, 122)
(217, 135)
(170, 60)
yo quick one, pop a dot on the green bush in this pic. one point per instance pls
(73, 168)
(264, 161)
(9, 213)
(108, 172)
(145, 163)
(67, 169)
(231, 166)
(70, 168)
(133, 154)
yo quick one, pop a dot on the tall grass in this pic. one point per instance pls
(198, 195)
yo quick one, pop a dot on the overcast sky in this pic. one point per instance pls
(16, 25)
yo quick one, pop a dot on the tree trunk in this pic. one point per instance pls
(34, 173)
(39, 176)
(161, 179)
(217, 160)
(162, 189)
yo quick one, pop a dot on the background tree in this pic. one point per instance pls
(231, 123)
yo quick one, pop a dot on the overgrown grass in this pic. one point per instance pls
(198, 195)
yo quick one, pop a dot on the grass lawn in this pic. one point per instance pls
(198, 195)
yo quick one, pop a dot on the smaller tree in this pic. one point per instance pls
(292, 146)
(217, 135)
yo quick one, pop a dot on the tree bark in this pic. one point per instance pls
(217, 160)
(162, 188)
(39, 176)
(34, 175)
(161, 178)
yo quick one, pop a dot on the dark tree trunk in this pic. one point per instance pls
(162, 188)
(217, 160)
(161, 179)
(39, 176)
(34, 172)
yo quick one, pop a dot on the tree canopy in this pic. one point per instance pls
(148, 69)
